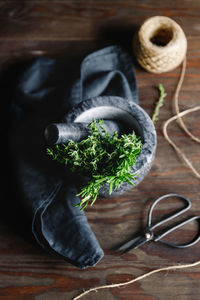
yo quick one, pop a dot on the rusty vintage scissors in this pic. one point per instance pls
(149, 234)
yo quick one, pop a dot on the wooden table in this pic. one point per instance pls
(72, 29)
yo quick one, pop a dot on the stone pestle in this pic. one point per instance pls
(61, 133)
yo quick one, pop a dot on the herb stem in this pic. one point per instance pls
(159, 103)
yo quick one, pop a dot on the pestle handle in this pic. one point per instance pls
(61, 133)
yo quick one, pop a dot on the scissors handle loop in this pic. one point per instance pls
(178, 213)
(158, 238)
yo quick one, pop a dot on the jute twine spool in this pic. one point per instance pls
(160, 44)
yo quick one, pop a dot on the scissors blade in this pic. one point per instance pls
(132, 244)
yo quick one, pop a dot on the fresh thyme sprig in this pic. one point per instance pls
(159, 103)
(106, 158)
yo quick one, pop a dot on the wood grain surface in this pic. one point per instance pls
(71, 30)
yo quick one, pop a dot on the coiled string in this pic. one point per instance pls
(160, 45)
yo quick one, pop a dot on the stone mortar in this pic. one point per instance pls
(134, 117)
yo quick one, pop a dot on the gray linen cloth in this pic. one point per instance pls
(44, 94)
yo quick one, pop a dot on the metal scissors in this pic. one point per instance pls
(150, 236)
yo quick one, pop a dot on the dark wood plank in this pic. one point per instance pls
(71, 30)
(86, 20)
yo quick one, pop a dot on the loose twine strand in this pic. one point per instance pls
(137, 278)
(176, 96)
(178, 117)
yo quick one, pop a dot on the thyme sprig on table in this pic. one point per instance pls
(159, 103)
(106, 158)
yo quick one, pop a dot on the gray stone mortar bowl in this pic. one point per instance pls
(134, 118)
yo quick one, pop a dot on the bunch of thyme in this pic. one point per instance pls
(106, 158)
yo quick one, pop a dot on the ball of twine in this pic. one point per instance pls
(160, 45)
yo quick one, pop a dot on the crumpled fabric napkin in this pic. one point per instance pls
(44, 94)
